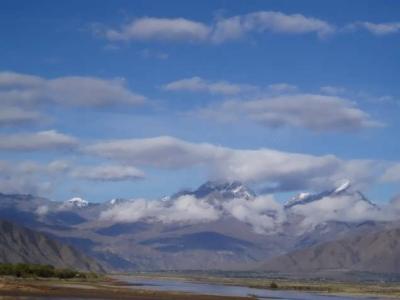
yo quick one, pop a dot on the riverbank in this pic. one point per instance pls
(104, 288)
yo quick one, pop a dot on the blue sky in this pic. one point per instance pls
(107, 99)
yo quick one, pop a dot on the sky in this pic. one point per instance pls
(109, 99)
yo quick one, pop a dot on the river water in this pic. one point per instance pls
(227, 290)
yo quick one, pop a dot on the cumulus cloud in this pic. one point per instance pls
(160, 29)
(347, 208)
(42, 140)
(185, 209)
(269, 21)
(263, 213)
(312, 111)
(197, 84)
(23, 89)
(281, 170)
(222, 30)
(378, 29)
(108, 173)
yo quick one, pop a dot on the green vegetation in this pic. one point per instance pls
(273, 285)
(36, 270)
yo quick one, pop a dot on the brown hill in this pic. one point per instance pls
(22, 245)
(371, 252)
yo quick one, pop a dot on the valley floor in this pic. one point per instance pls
(113, 288)
(106, 288)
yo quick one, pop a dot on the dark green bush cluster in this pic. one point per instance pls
(273, 285)
(33, 270)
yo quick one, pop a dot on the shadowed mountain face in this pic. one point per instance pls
(371, 252)
(22, 245)
(220, 225)
(199, 241)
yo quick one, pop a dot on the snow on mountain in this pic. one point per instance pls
(345, 188)
(76, 202)
(116, 201)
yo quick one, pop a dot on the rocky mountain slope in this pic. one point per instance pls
(377, 251)
(22, 245)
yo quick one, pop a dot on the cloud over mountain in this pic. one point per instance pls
(186, 209)
(108, 173)
(280, 170)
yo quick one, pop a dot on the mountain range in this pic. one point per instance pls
(220, 225)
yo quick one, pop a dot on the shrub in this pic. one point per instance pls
(36, 270)
(273, 285)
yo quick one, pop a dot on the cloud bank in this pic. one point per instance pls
(38, 141)
(197, 84)
(311, 111)
(263, 213)
(28, 90)
(108, 173)
(281, 171)
(185, 209)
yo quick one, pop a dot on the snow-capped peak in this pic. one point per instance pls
(302, 196)
(77, 202)
(344, 186)
(220, 190)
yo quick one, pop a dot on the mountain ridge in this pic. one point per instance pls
(22, 245)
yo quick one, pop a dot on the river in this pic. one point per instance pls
(228, 290)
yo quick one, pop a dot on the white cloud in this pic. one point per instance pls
(22, 89)
(11, 116)
(269, 21)
(42, 210)
(392, 174)
(197, 84)
(332, 90)
(232, 28)
(281, 170)
(108, 173)
(282, 87)
(379, 29)
(263, 213)
(185, 209)
(345, 208)
(160, 29)
(312, 111)
(39, 141)
(28, 177)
